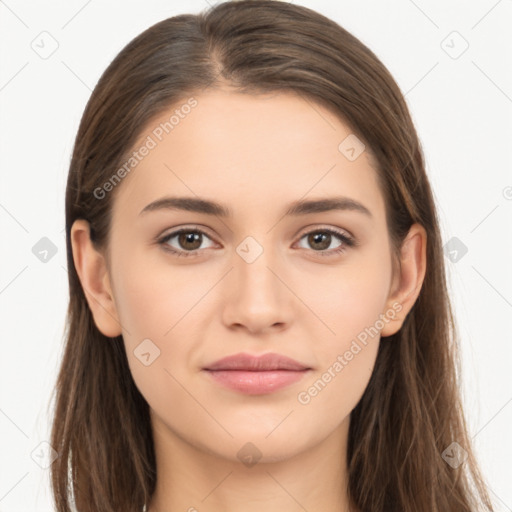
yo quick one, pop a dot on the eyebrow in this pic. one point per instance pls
(297, 208)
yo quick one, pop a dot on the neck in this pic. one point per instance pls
(195, 480)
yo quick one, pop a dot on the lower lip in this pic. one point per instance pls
(256, 382)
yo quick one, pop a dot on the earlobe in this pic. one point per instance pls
(92, 271)
(409, 280)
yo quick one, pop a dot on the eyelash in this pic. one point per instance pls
(347, 242)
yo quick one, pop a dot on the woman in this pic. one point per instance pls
(258, 311)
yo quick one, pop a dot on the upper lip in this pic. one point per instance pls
(265, 362)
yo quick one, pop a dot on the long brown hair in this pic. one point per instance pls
(411, 411)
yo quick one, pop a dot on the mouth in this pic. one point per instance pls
(256, 375)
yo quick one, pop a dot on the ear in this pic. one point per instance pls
(92, 270)
(408, 279)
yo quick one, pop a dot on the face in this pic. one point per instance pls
(313, 285)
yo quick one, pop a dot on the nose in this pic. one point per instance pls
(257, 298)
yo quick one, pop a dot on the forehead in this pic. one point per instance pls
(248, 150)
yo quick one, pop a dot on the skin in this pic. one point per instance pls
(254, 154)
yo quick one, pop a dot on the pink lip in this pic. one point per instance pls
(256, 375)
(265, 362)
(256, 382)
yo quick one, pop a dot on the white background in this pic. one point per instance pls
(462, 109)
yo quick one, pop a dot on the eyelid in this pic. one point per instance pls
(315, 227)
(193, 227)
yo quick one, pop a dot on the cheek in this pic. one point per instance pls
(350, 298)
(152, 296)
(351, 304)
(347, 352)
(152, 303)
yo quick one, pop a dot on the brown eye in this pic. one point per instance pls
(320, 240)
(188, 241)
